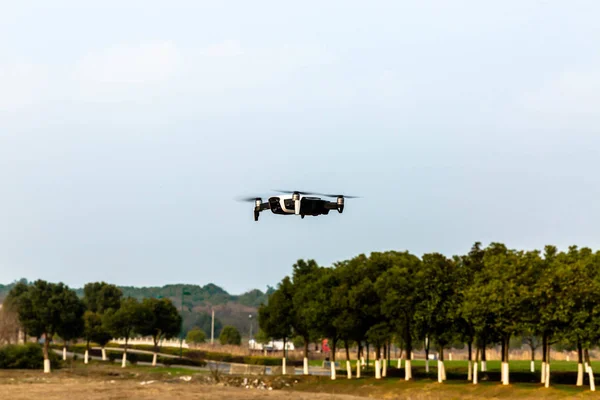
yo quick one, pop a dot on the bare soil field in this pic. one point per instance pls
(97, 382)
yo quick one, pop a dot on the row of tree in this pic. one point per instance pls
(46, 310)
(483, 298)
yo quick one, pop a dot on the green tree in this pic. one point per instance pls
(123, 322)
(94, 331)
(45, 308)
(71, 319)
(399, 298)
(230, 335)
(160, 320)
(436, 311)
(101, 296)
(195, 336)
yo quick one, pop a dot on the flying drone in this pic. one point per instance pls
(298, 203)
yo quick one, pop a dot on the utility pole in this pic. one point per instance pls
(212, 328)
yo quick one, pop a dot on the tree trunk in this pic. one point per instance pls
(505, 365)
(283, 366)
(124, 361)
(305, 363)
(440, 365)
(532, 368)
(470, 355)
(586, 357)
(46, 355)
(579, 364)
(348, 364)
(155, 356)
(87, 352)
(384, 362)
(103, 354)
(367, 366)
(547, 380)
(426, 355)
(408, 344)
(544, 345)
(378, 362)
(483, 356)
(475, 371)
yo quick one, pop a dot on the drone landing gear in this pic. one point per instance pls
(256, 213)
(302, 216)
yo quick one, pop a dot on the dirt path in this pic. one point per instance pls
(157, 390)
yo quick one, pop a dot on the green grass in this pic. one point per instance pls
(523, 383)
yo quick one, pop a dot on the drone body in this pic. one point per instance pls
(298, 203)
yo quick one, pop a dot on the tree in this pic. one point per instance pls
(436, 313)
(123, 322)
(195, 336)
(161, 321)
(71, 321)
(397, 290)
(101, 296)
(94, 331)
(230, 335)
(45, 308)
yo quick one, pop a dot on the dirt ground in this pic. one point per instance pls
(113, 383)
(130, 390)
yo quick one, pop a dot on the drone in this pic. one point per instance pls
(298, 203)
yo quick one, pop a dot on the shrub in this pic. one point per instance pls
(230, 335)
(27, 356)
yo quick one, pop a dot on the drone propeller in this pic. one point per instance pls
(248, 199)
(318, 194)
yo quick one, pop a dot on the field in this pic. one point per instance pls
(99, 381)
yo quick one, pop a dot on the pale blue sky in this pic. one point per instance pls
(128, 127)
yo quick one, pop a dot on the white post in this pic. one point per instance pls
(358, 368)
(532, 367)
(46, 366)
(349, 369)
(305, 366)
(407, 370)
(399, 363)
(283, 366)
(483, 366)
(124, 361)
(592, 383)
(449, 356)
(439, 371)
(333, 371)
(154, 360)
(427, 365)
(384, 372)
(86, 357)
(470, 372)
(475, 373)
(103, 354)
(547, 383)
(64, 354)
(579, 374)
(377, 369)
(362, 361)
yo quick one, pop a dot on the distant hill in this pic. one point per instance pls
(201, 300)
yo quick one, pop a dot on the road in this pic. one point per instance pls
(211, 365)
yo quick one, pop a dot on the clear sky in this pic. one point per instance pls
(127, 128)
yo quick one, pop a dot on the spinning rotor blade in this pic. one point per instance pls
(317, 194)
(247, 199)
